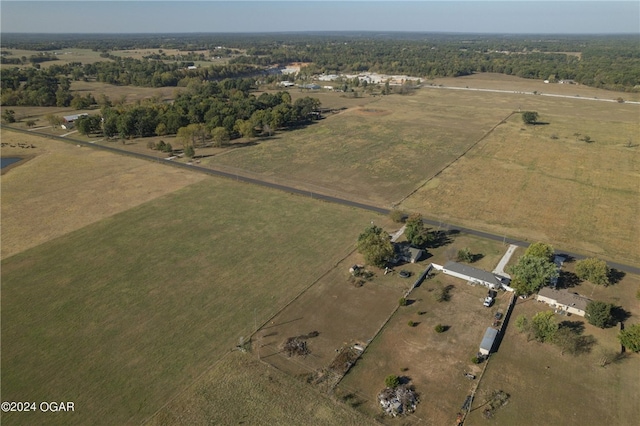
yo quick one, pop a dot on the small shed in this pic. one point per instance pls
(488, 340)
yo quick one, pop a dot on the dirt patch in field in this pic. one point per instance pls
(423, 357)
(43, 198)
(372, 112)
(343, 315)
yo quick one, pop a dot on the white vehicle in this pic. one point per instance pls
(488, 301)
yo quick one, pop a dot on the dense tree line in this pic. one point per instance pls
(611, 62)
(227, 106)
(51, 86)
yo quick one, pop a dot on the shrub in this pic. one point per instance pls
(189, 151)
(402, 301)
(464, 255)
(440, 328)
(411, 323)
(397, 216)
(475, 360)
(530, 117)
(392, 381)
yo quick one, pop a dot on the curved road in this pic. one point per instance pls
(381, 210)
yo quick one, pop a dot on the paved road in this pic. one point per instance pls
(527, 93)
(376, 209)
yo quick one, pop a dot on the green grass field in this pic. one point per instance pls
(120, 315)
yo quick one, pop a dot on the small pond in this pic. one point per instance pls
(7, 161)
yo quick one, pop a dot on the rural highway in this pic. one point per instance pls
(342, 201)
(526, 93)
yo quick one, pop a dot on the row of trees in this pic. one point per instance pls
(544, 328)
(536, 269)
(219, 111)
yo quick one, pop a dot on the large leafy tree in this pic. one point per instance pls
(375, 244)
(89, 124)
(630, 337)
(599, 314)
(531, 273)
(544, 327)
(593, 270)
(415, 231)
(542, 250)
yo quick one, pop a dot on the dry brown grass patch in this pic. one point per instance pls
(43, 198)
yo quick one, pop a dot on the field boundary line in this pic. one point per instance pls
(328, 198)
(473, 145)
(186, 388)
(222, 357)
(419, 281)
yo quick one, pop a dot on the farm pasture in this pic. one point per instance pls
(543, 183)
(380, 158)
(64, 188)
(122, 314)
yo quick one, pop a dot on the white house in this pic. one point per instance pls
(564, 300)
(472, 275)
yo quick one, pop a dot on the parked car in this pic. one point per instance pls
(498, 316)
(488, 301)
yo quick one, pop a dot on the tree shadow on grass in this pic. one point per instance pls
(575, 326)
(584, 344)
(619, 314)
(615, 276)
(441, 238)
(404, 380)
(567, 279)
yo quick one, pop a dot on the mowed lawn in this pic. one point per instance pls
(544, 183)
(123, 314)
(379, 152)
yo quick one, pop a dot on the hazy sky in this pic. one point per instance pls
(89, 16)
